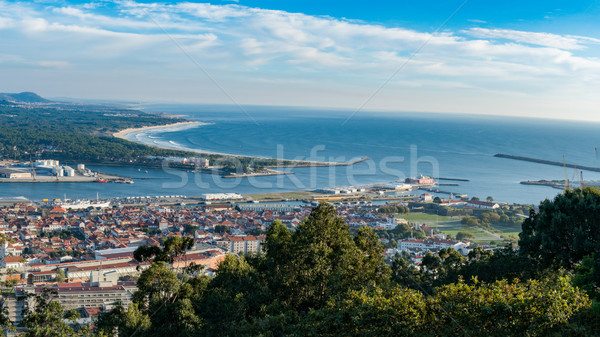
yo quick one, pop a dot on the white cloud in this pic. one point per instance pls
(242, 44)
(6, 23)
(35, 24)
(568, 42)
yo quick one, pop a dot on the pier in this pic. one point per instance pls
(453, 179)
(547, 162)
(308, 163)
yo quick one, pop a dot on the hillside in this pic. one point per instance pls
(23, 97)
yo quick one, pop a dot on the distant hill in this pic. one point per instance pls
(23, 97)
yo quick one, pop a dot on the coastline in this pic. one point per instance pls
(123, 133)
(296, 163)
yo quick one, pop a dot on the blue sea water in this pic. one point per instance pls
(398, 145)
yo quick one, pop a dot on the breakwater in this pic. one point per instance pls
(453, 179)
(547, 162)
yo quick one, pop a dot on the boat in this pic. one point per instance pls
(124, 181)
(99, 180)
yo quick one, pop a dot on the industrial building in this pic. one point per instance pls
(12, 173)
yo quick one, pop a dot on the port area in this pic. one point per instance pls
(561, 184)
(52, 171)
(76, 179)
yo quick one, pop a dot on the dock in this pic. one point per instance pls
(547, 162)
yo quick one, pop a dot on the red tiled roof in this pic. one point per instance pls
(58, 209)
(12, 259)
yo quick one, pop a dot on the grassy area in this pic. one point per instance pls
(429, 219)
(452, 225)
(508, 229)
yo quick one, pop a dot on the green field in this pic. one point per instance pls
(429, 219)
(508, 229)
(452, 225)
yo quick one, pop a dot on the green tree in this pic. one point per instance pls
(464, 236)
(564, 230)
(60, 275)
(222, 229)
(173, 247)
(157, 286)
(324, 260)
(124, 322)
(532, 308)
(587, 276)
(46, 319)
(376, 312)
(5, 323)
(470, 221)
(404, 272)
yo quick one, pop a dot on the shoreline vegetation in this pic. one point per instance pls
(97, 134)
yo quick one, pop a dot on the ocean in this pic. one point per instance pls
(399, 145)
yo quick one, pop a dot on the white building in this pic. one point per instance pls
(68, 171)
(432, 245)
(221, 196)
(242, 244)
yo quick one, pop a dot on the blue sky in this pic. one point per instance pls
(521, 58)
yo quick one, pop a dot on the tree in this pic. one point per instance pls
(470, 221)
(60, 275)
(489, 198)
(5, 323)
(397, 312)
(256, 231)
(124, 322)
(564, 230)
(173, 247)
(404, 272)
(587, 276)
(47, 318)
(437, 200)
(464, 236)
(156, 286)
(324, 260)
(532, 308)
(222, 229)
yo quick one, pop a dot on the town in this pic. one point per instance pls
(87, 254)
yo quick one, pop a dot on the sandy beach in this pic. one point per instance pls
(298, 163)
(123, 133)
